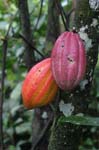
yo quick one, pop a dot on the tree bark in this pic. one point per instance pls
(27, 33)
(53, 27)
(67, 136)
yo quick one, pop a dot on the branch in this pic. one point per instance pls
(65, 16)
(62, 14)
(39, 15)
(31, 46)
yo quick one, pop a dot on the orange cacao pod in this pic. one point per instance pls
(39, 88)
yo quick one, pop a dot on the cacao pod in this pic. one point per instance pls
(68, 60)
(39, 87)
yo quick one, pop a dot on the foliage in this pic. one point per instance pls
(17, 120)
(81, 120)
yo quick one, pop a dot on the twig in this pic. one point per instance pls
(31, 46)
(10, 25)
(42, 133)
(68, 16)
(40, 12)
(63, 14)
(70, 12)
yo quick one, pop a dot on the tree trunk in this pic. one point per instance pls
(53, 28)
(66, 136)
(27, 33)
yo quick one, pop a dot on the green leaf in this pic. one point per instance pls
(81, 120)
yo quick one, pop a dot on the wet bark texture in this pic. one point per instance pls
(67, 136)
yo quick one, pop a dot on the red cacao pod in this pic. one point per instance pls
(68, 60)
(39, 87)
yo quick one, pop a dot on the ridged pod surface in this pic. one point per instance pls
(39, 87)
(68, 60)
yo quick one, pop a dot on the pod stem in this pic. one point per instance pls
(65, 16)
